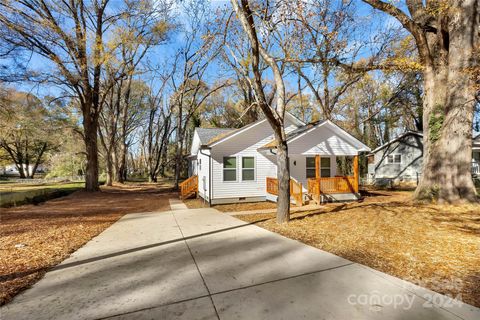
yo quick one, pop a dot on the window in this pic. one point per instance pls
(325, 167)
(248, 168)
(394, 158)
(310, 167)
(199, 164)
(229, 169)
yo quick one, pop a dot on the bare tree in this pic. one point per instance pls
(70, 36)
(275, 116)
(188, 82)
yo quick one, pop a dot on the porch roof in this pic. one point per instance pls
(303, 130)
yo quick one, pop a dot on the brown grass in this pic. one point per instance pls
(246, 206)
(50, 232)
(435, 246)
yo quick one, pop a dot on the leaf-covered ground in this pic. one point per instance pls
(435, 246)
(36, 238)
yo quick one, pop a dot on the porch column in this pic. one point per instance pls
(318, 175)
(355, 173)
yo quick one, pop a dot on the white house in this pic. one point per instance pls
(228, 165)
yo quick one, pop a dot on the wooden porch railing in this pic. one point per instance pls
(295, 189)
(188, 187)
(331, 185)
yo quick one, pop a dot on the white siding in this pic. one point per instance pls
(244, 144)
(322, 141)
(203, 173)
(298, 168)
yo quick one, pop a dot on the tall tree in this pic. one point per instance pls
(275, 116)
(190, 75)
(69, 34)
(447, 39)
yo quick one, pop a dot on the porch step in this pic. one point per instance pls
(189, 195)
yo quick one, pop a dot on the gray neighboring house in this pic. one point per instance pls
(400, 160)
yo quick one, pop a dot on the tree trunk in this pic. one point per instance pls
(122, 167)
(109, 167)
(152, 177)
(448, 119)
(178, 147)
(39, 159)
(90, 138)
(283, 176)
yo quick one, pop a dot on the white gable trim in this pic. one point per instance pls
(236, 133)
(293, 119)
(339, 131)
(195, 143)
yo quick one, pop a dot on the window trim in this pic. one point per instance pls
(254, 168)
(321, 168)
(309, 168)
(231, 169)
(393, 156)
(325, 168)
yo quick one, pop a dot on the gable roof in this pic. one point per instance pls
(296, 134)
(292, 134)
(207, 134)
(400, 137)
(228, 135)
(475, 137)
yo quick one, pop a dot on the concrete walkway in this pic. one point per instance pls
(202, 264)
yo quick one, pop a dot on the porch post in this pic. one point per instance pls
(355, 173)
(317, 167)
(318, 175)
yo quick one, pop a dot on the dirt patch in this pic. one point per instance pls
(434, 246)
(35, 238)
(246, 206)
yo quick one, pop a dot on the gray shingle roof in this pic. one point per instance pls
(207, 134)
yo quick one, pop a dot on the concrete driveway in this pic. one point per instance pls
(202, 264)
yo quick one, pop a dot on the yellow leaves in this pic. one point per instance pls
(161, 28)
(405, 64)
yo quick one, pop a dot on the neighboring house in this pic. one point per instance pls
(12, 170)
(401, 159)
(228, 166)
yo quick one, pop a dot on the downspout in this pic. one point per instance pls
(209, 174)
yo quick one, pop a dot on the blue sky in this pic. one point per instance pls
(164, 53)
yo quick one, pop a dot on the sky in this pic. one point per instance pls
(163, 53)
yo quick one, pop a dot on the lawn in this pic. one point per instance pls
(435, 246)
(12, 194)
(35, 238)
(20, 187)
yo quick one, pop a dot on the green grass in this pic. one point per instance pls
(12, 194)
(20, 187)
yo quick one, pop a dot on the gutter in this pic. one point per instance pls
(209, 173)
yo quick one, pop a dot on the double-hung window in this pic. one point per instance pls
(394, 158)
(229, 169)
(310, 167)
(248, 168)
(325, 170)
